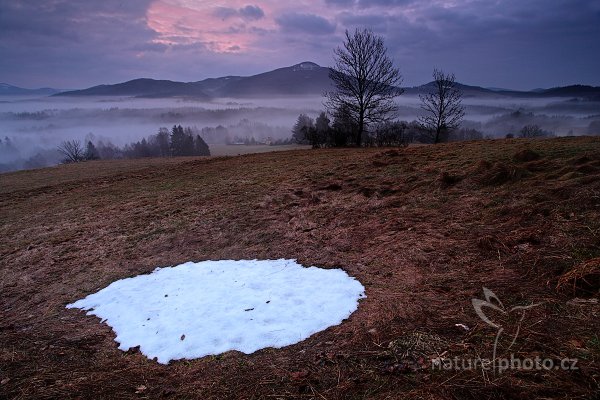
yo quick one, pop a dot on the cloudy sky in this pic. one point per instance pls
(521, 44)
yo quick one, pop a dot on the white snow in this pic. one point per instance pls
(198, 309)
(305, 66)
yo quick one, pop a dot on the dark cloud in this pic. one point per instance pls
(225, 12)
(377, 22)
(510, 43)
(384, 3)
(252, 12)
(506, 43)
(341, 3)
(67, 41)
(368, 3)
(305, 23)
(247, 13)
(68, 21)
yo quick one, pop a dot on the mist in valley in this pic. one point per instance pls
(31, 128)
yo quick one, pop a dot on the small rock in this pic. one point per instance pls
(4, 381)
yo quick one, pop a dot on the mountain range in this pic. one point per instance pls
(306, 78)
(10, 90)
(301, 79)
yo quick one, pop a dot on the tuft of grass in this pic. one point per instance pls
(594, 343)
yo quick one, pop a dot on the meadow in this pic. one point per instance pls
(423, 228)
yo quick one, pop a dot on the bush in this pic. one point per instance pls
(533, 131)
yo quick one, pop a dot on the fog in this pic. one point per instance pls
(35, 126)
(38, 125)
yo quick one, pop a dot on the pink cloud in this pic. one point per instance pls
(221, 27)
(236, 25)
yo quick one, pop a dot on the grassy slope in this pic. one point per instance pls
(422, 228)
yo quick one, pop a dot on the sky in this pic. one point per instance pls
(517, 44)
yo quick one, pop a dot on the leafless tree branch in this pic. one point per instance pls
(443, 106)
(72, 150)
(366, 81)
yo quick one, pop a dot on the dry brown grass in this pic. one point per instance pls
(423, 228)
(584, 275)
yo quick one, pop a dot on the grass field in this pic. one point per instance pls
(423, 228)
(238, 150)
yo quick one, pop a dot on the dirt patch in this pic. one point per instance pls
(501, 173)
(447, 180)
(526, 155)
(332, 187)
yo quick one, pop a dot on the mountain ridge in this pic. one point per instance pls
(300, 79)
(11, 90)
(305, 78)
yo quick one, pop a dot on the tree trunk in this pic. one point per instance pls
(437, 136)
(361, 128)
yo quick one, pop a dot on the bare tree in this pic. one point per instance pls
(365, 80)
(532, 131)
(72, 150)
(443, 106)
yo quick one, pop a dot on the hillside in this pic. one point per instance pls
(300, 79)
(588, 93)
(306, 78)
(142, 88)
(424, 229)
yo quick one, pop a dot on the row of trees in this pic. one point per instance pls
(322, 132)
(245, 131)
(365, 86)
(363, 108)
(178, 142)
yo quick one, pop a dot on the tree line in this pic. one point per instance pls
(179, 141)
(361, 110)
(341, 132)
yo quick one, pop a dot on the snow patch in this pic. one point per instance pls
(306, 66)
(210, 307)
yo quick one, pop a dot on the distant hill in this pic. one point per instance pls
(468, 91)
(588, 92)
(10, 90)
(300, 79)
(306, 78)
(142, 88)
